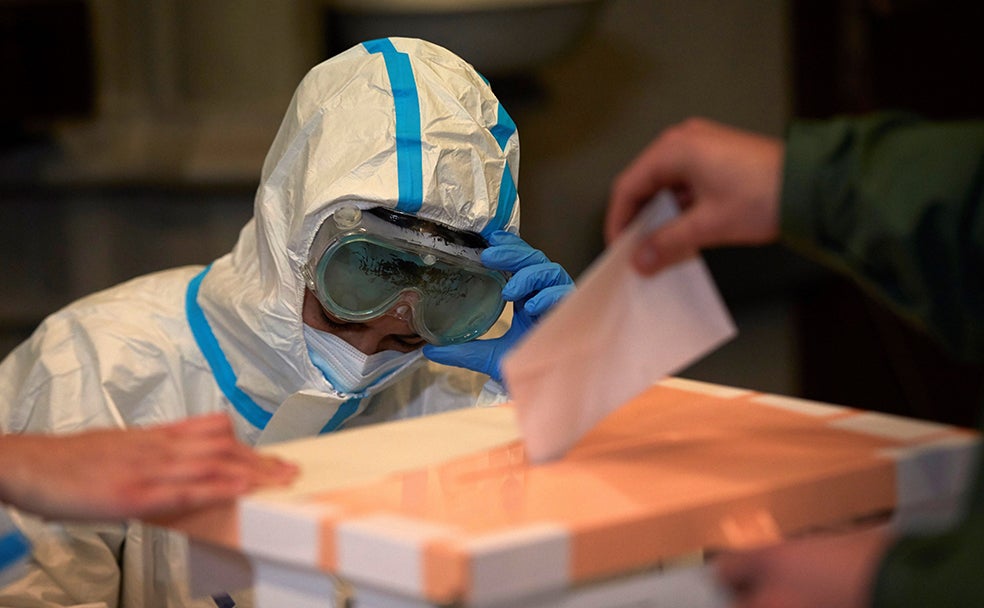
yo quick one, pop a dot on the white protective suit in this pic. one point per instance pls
(398, 123)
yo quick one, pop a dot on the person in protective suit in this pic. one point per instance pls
(383, 242)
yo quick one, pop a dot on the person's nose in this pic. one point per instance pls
(373, 337)
(369, 342)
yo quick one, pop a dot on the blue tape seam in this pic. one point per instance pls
(225, 377)
(409, 158)
(502, 131)
(13, 548)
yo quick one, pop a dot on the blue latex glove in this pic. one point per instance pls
(535, 286)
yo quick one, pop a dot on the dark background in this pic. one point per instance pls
(123, 151)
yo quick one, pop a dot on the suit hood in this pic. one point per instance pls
(396, 122)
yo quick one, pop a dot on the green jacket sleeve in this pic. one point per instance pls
(898, 204)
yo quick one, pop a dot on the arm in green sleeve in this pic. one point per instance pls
(898, 204)
(941, 571)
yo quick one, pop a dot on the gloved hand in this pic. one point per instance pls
(535, 286)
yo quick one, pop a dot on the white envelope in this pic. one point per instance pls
(616, 335)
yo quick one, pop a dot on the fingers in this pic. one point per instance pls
(197, 456)
(546, 299)
(246, 464)
(509, 252)
(660, 165)
(161, 500)
(736, 571)
(192, 483)
(504, 237)
(116, 473)
(727, 181)
(452, 354)
(477, 355)
(740, 574)
(676, 241)
(532, 270)
(191, 463)
(531, 279)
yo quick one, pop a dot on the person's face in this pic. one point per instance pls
(370, 337)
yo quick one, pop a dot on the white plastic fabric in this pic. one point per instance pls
(129, 356)
(339, 144)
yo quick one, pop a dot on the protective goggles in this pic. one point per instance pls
(366, 264)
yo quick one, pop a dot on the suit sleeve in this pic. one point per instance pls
(898, 204)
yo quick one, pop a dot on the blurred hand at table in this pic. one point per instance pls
(820, 572)
(727, 182)
(140, 472)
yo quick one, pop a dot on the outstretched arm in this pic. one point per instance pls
(115, 474)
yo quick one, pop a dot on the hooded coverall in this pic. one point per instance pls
(396, 123)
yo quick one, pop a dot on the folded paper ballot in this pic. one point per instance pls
(615, 336)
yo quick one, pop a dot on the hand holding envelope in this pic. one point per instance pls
(615, 336)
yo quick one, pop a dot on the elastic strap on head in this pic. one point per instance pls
(407, 107)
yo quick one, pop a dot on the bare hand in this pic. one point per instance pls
(114, 474)
(727, 182)
(823, 572)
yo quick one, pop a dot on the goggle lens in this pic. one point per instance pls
(359, 279)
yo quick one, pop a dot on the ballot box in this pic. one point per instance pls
(447, 511)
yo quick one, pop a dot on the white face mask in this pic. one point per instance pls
(345, 367)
